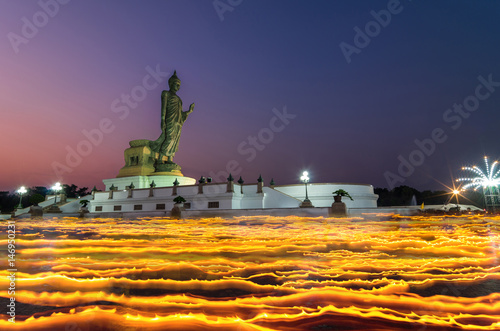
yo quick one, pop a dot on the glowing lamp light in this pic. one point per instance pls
(481, 178)
(21, 191)
(305, 177)
(455, 192)
(56, 188)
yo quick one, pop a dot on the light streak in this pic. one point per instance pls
(257, 273)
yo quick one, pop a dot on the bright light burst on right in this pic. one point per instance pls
(484, 179)
(487, 180)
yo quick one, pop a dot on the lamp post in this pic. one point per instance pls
(21, 191)
(456, 193)
(56, 188)
(305, 179)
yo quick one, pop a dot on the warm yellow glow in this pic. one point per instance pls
(257, 273)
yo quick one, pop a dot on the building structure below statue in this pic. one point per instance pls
(227, 198)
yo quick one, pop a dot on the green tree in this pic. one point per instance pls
(36, 198)
(70, 190)
(83, 191)
(8, 202)
(402, 196)
(38, 190)
(73, 191)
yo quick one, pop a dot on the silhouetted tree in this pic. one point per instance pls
(38, 190)
(83, 191)
(434, 197)
(73, 191)
(402, 196)
(70, 190)
(8, 202)
(36, 198)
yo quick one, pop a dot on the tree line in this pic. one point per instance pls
(403, 196)
(10, 200)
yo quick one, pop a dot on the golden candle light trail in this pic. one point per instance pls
(256, 273)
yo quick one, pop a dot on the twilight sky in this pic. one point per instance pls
(386, 93)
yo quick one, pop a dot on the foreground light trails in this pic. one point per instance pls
(256, 273)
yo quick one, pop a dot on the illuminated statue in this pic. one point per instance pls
(172, 120)
(155, 158)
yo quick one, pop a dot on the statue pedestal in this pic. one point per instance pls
(53, 209)
(338, 209)
(36, 211)
(140, 169)
(176, 212)
(139, 160)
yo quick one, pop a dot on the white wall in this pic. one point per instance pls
(287, 196)
(321, 195)
(74, 205)
(212, 192)
(277, 199)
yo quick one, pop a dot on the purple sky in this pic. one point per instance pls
(353, 115)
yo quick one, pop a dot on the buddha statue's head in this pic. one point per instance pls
(174, 83)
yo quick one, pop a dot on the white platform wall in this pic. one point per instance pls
(243, 197)
(321, 195)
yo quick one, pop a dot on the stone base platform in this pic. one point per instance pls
(168, 169)
(139, 182)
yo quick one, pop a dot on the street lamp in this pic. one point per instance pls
(56, 188)
(305, 180)
(21, 191)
